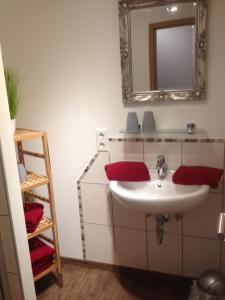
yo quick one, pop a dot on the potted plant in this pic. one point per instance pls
(12, 87)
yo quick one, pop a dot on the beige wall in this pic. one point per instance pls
(68, 53)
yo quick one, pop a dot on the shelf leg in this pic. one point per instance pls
(60, 280)
(52, 207)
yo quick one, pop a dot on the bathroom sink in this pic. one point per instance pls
(159, 196)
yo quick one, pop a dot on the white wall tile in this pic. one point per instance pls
(97, 203)
(223, 258)
(202, 220)
(200, 254)
(171, 151)
(99, 243)
(167, 257)
(129, 151)
(173, 226)
(129, 231)
(96, 174)
(15, 287)
(223, 244)
(203, 154)
(219, 189)
(127, 217)
(8, 245)
(223, 203)
(130, 248)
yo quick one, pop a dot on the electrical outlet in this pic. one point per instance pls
(102, 139)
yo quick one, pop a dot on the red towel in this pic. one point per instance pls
(39, 250)
(32, 213)
(127, 171)
(37, 269)
(31, 228)
(41, 255)
(42, 264)
(197, 175)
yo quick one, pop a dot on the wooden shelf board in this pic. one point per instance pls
(33, 181)
(52, 268)
(44, 225)
(27, 134)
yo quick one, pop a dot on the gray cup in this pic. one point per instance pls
(132, 123)
(22, 172)
(148, 124)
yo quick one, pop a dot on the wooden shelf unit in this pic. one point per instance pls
(33, 181)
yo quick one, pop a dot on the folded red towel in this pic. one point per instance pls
(39, 269)
(39, 250)
(32, 228)
(197, 175)
(33, 213)
(42, 262)
(127, 171)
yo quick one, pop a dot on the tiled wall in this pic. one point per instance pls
(9, 276)
(115, 234)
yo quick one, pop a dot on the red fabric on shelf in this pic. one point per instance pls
(43, 261)
(33, 212)
(32, 228)
(38, 270)
(127, 171)
(39, 250)
(197, 175)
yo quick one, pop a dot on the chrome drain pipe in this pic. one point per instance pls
(160, 221)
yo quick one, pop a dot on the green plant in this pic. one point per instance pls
(12, 87)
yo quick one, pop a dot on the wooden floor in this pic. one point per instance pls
(86, 283)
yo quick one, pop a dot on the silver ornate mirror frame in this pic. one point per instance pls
(130, 96)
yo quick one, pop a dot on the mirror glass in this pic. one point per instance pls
(162, 50)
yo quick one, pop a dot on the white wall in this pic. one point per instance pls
(68, 53)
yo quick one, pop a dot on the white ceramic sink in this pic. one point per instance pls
(159, 196)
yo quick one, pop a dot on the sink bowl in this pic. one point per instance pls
(159, 196)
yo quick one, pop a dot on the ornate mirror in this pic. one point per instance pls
(163, 50)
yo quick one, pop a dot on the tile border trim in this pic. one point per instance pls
(81, 205)
(167, 140)
(88, 166)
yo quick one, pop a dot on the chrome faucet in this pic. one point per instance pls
(161, 166)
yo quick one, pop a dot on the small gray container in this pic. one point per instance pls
(132, 123)
(148, 124)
